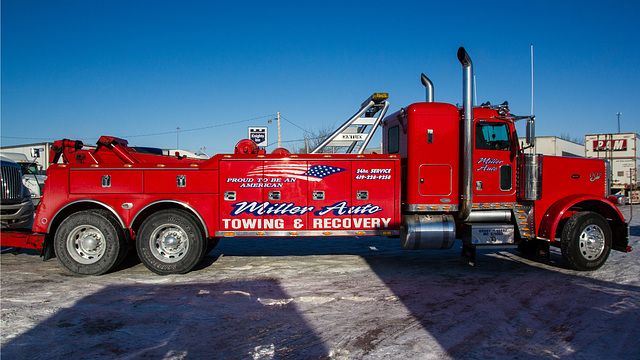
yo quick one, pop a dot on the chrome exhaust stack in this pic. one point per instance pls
(429, 86)
(467, 100)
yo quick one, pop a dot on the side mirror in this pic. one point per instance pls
(531, 131)
(35, 153)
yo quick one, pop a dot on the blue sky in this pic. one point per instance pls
(139, 69)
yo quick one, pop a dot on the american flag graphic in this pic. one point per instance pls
(298, 171)
(322, 171)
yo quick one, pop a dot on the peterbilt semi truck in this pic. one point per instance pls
(445, 173)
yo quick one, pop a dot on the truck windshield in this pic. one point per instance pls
(492, 136)
(30, 168)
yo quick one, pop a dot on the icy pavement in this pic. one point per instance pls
(325, 298)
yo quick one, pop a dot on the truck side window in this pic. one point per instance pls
(492, 136)
(393, 140)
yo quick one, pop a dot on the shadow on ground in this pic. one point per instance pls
(228, 320)
(505, 307)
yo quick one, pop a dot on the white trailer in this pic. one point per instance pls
(38, 152)
(621, 150)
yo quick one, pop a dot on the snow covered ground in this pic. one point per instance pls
(326, 298)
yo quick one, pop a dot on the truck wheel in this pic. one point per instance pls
(90, 242)
(170, 242)
(586, 241)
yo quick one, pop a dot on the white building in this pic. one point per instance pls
(553, 145)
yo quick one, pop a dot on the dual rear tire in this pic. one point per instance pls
(171, 242)
(92, 242)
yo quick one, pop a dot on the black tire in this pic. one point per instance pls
(586, 241)
(170, 242)
(90, 242)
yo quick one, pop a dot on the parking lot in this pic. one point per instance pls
(325, 298)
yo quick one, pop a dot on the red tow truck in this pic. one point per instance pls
(446, 173)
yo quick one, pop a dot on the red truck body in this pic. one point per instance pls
(272, 194)
(445, 173)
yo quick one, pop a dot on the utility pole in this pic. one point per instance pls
(280, 138)
(618, 121)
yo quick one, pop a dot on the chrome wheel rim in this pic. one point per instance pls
(591, 242)
(86, 244)
(169, 243)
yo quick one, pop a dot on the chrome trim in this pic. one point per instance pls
(530, 177)
(524, 216)
(426, 231)
(189, 207)
(428, 207)
(112, 210)
(11, 183)
(106, 181)
(308, 233)
(229, 196)
(490, 215)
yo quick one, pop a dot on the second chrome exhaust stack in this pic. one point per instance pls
(467, 100)
(428, 86)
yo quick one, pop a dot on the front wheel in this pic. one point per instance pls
(170, 242)
(586, 241)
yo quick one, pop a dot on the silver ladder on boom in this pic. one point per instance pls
(360, 127)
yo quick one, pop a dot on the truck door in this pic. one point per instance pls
(241, 205)
(494, 162)
(285, 195)
(329, 189)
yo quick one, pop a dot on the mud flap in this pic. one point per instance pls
(47, 251)
(543, 251)
(468, 255)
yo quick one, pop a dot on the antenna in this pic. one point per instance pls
(531, 78)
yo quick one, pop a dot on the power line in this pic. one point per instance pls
(201, 128)
(143, 135)
(25, 138)
(290, 122)
(287, 142)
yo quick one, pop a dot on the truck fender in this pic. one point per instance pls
(78, 202)
(555, 213)
(174, 204)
